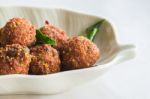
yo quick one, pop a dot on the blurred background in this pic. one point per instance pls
(129, 80)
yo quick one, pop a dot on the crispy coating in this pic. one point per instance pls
(78, 52)
(55, 33)
(14, 59)
(45, 60)
(18, 31)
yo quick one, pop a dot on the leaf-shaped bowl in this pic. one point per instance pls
(73, 23)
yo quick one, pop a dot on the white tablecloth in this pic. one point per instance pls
(129, 80)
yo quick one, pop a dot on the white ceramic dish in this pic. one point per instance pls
(73, 23)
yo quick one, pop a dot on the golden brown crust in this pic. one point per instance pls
(79, 52)
(18, 31)
(45, 60)
(53, 32)
(14, 59)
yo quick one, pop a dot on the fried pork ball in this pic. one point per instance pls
(45, 60)
(18, 31)
(55, 33)
(14, 59)
(78, 52)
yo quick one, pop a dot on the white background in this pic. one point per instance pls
(129, 80)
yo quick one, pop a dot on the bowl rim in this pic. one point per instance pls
(54, 8)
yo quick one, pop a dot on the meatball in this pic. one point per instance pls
(45, 60)
(18, 31)
(78, 52)
(55, 33)
(14, 59)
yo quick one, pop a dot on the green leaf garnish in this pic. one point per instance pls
(91, 31)
(42, 38)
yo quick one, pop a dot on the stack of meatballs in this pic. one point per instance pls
(20, 55)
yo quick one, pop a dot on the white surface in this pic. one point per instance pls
(129, 80)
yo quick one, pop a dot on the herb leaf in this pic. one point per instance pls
(91, 31)
(42, 38)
